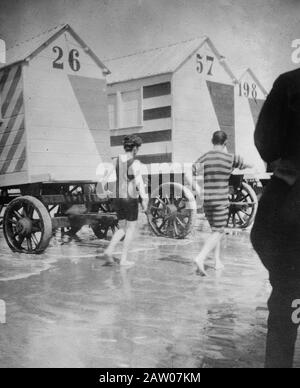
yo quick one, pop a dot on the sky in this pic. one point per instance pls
(256, 33)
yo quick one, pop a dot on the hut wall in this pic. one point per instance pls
(203, 102)
(66, 113)
(142, 107)
(249, 99)
(13, 149)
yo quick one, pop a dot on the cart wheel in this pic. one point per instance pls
(27, 225)
(172, 211)
(106, 207)
(102, 227)
(100, 231)
(243, 207)
(107, 222)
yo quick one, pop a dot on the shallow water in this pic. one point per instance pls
(64, 308)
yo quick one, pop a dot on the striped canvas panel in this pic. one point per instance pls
(157, 113)
(157, 90)
(147, 137)
(12, 130)
(155, 158)
(156, 96)
(156, 133)
(222, 97)
(147, 148)
(157, 125)
(255, 107)
(156, 102)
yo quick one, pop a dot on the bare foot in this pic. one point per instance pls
(200, 268)
(109, 260)
(126, 263)
(218, 265)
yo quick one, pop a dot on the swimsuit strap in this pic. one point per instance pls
(130, 162)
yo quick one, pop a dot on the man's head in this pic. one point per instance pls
(219, 138)
(132, 143)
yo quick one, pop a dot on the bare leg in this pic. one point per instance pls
(117, 237)
(218, 262)
(130, 230)
(209, 245)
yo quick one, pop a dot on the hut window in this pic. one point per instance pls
(157, 90)
(112, 110)
(131, 108)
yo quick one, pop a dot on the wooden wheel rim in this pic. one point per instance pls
(27, 225)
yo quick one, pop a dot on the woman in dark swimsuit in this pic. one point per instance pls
(129, 190)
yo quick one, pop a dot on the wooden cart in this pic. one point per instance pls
(37, 210)
(53, 135)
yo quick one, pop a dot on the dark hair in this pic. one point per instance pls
(219, 138)
(129, 142)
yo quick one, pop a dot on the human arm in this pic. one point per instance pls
(198, 166)
(238, 162)
(140, 184)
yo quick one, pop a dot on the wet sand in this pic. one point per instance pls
(65, 309)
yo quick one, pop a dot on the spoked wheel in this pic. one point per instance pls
(106, 207)
(27, 225)
(172, 215)
(106, 224)
(243, 207)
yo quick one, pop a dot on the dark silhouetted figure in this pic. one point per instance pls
(276, 232)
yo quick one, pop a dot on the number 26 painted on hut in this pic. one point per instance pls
(73, 59)
(200, 65)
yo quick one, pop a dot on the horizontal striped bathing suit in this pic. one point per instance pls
(218, 167)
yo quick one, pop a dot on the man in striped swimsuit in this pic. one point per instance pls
(218, 165)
